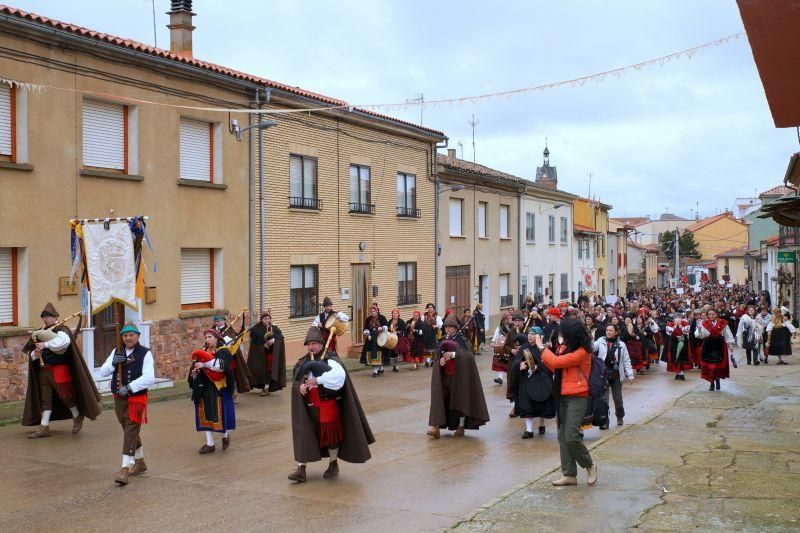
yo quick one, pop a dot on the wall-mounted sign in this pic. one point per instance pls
(787, 257)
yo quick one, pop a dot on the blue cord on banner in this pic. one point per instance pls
(141, 228)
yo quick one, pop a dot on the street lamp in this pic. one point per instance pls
(264, 124)
(555, 206)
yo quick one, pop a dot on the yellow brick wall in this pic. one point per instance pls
(330, 237)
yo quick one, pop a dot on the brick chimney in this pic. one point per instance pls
(180, 27)
(451, 154)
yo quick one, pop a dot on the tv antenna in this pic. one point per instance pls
(473, 122)
(420, 101)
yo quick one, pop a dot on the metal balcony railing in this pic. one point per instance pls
(507, 300)
(408, 212)
(365, 209)
(303, 202)
(408, 299)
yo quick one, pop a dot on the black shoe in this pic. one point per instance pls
(683, 378)
(756, 363)
(677, 377)
(380, 371)
(718, 384)
(748, 363)
(711, 387)
(620, 421)
(394, 369)
(766, 361)
(541, 430)
(604, 426)
(375, 374)
(498, 381)
(427, 364)
(527, 435)
(580, 435)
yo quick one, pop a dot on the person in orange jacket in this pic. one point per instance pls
(572, 367)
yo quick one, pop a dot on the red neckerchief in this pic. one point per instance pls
(715, 330)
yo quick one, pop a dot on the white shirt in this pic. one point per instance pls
(785, 323)
(145, 381)
(334, 378)
(497, 335)
(341, 316)
(57, 345)
(701, 333)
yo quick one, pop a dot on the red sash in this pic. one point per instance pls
(330, 424)
(715, 330)
(137, 408)
(63, 380)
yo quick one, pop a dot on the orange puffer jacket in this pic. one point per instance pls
(576, 367)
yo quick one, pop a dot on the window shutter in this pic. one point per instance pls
(295, 176)
(5, 120)
(503, 284)
(7, 314)
(309, 178)
(504, 221)
(195, 147)
(196, 276)
(482, 219)
(104, 135)
(455, 217)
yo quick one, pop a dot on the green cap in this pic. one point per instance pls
(130, 328)
(218, 317)
(536, 330)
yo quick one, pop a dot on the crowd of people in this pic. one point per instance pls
(557, 361)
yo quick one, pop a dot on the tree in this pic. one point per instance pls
(688, 246)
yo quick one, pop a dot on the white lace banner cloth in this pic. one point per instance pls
(111, 264)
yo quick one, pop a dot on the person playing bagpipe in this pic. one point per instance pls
(212, 380)
(531, 384)
(327, 418)
(241, 372)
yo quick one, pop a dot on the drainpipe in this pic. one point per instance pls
(251, 215)
(519, 247)
(436, 222)
(262, 225)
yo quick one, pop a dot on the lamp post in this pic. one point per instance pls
(452, 188)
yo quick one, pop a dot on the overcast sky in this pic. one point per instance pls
(660, 138)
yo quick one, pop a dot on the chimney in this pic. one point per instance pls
(451, 153)
(180, 27)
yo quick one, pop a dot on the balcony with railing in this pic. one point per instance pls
(305, 202)
(408, 212)
(363, 209)
(788, 236)
(408, 299)
(507, 300)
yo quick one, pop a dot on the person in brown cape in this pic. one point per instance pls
(457, 400)
(266, 356)
(327, 418)
(241, 372)
(60, 385)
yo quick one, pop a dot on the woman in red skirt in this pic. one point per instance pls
(632, 338)
(717, 349)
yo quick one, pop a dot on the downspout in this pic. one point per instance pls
(262, 224)
(519, 247)
(251, 216)
(435, 166)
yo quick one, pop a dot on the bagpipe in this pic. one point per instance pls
(47, 334)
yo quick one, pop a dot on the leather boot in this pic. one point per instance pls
(77, 424)
(138, 468)
(226, 441)
(299, 475)
(122, 476)
(565, 480)
(433, 432)
(459, 432)
(332, 471)
(41, 433)
(206, 449)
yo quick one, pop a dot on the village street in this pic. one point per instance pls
(412, 483)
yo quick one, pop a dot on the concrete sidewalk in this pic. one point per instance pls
(727, 460)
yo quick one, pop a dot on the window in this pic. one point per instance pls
(503, 221)
(303, 182)
(8, 287)
(530, 227)
(727, 266)
(407, 284)
(587, 250)
(407, 195)
(105, 135)
(197, 278)
(7, 122)
(456, 205)
(361, 190)
(302, 291)
(196, 150)
(551, 229)
(482, 209)
(564, 286)
(538, 288)
(563, 230)
(506, 299)
(523, 289)
(612, 286)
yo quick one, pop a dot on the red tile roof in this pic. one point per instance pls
(733, 252)
(631, 221)
(205, 65)
(780, 190)
(475, 168)
(585, 229)
(771, 240)
(710, 220)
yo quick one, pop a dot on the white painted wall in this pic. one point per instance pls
(540, 257)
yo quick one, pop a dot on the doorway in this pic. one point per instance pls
(106, 330)
(360, 297)
(457, 288)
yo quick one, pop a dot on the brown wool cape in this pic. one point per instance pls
(88, 398)
(257, 359)
(357, 433)
(466, 395)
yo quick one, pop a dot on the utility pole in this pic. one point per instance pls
(677, 256)
(473, 122)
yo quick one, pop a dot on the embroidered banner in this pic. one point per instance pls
(110, 264)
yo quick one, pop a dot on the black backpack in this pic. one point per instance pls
(598, 386)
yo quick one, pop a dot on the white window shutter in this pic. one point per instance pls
(481, 219)
(455, 217)
(195, 150)
(5, 121)
(504, 221)
(6, 286)
(195, 276)
(103, 135)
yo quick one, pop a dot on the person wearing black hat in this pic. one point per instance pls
(132, 374)
(457, 400)
(327, 418)
(322, 318)
(239, 367)
(60, 385)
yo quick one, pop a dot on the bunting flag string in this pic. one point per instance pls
(581, 81)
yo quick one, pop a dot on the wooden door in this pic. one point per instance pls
(457, 288)
(106, 330)
(360, 297)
